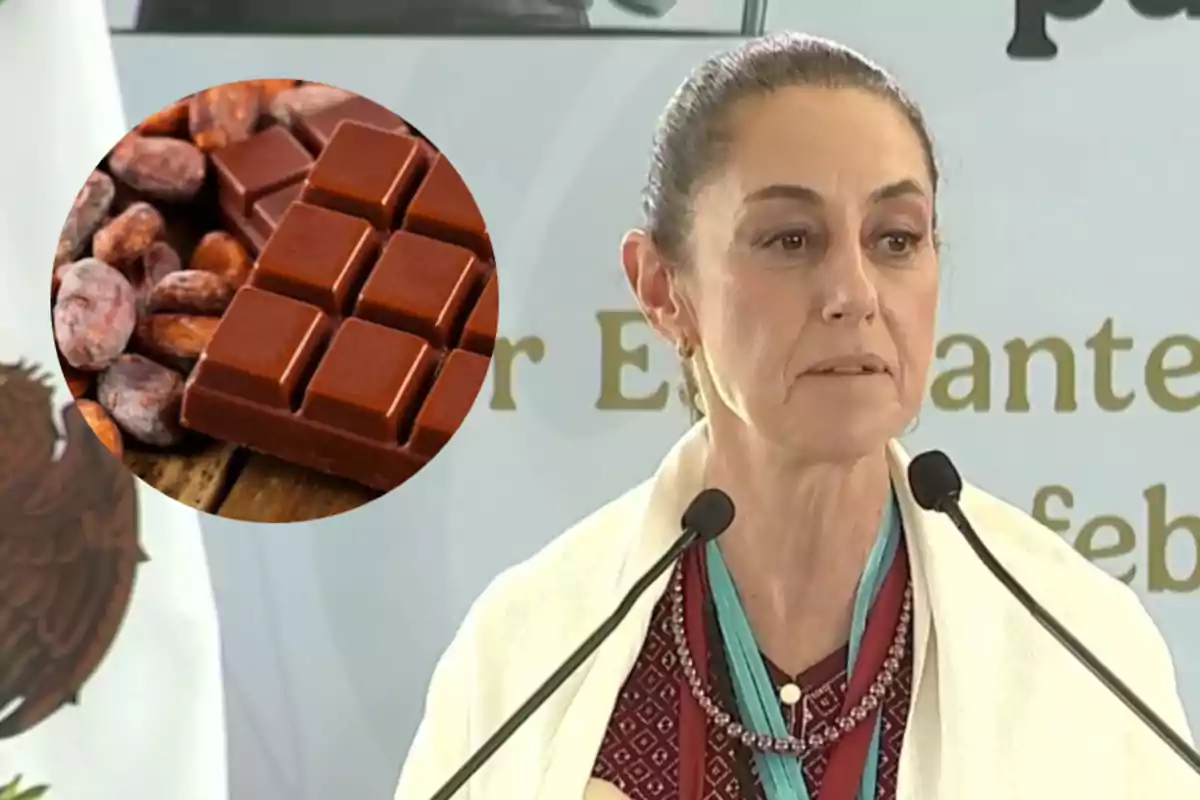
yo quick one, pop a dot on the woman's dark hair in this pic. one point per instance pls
(694, 131)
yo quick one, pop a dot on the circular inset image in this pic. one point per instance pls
(278, 299)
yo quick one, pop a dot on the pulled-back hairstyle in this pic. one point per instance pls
(693, 132)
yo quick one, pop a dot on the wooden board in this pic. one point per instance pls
(270, 490)
(196, 479)
(233, 483)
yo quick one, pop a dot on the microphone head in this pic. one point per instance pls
(936, 484)
(709, 514)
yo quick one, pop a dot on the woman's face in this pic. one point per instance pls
(813, 278)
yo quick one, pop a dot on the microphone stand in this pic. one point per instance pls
(1153, 721)
(574, 662)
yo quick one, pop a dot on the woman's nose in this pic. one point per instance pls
(847, 291)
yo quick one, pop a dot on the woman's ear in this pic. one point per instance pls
(654, 280)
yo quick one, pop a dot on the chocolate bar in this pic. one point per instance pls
(268, 211)
(442, 208)
(366, 328)
(479, 334)
(316, 130)
(367, 172)
(264, 163)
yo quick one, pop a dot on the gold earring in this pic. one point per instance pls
(684, 349)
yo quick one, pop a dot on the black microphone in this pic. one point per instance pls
(706, 518)
(937, 486)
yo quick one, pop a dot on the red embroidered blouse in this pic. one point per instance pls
(640, 751)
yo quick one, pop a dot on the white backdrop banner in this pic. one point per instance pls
(134, 703)
(1067, 377)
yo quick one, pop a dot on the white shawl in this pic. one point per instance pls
(1000, 711)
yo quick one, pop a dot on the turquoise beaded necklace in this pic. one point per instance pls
(782, 775)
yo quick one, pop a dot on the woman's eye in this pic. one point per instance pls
(899, 243)
(791, 240)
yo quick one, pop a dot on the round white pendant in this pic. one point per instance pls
(790, 694)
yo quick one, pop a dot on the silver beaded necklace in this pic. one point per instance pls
(788, 745)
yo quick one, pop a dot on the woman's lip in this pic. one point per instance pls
(844, 374)
(859, 364)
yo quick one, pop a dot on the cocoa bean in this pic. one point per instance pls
(269, 88)
(159, 167)
(122, 242)
(94, 315)
(191, 291)
(222, 115)
(306, 100)
(79, 383)
(169, 121)
(143, 398)
(221, 254)
(87, 214)
(159, 261)
(175, 340)
(102, 425)
(57, 276)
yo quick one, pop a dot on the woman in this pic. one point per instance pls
(790, 253)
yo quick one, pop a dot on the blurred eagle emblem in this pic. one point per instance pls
(69, 550)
